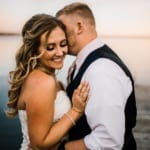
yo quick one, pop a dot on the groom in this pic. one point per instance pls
(110, 114)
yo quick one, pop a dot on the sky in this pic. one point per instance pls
(129, 19)
(113, 17)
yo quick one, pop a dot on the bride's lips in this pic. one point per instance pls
(58, 59)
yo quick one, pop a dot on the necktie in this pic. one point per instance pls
(71, 72)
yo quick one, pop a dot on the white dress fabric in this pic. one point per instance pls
(62, 106)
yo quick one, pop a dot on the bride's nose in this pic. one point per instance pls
(59, 51)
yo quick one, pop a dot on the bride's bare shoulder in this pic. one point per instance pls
(40, 78)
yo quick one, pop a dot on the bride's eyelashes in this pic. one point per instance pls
(52, 46)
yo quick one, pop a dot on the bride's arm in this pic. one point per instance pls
(40, 112)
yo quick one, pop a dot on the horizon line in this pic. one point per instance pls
(102, 35)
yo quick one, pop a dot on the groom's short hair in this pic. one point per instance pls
(80, 9)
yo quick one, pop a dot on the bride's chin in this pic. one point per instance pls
(58, 68)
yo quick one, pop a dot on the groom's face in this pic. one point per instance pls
(71, 33)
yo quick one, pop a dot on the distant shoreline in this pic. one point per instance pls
(102, 35)
(6, 34)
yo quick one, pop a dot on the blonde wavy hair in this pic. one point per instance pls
(27, 57)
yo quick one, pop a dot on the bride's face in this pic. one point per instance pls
(55, 49)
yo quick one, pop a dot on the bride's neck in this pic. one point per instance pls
(46, 69)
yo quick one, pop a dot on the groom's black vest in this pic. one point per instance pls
(82, 128)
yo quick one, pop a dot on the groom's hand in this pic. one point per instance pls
(75, 145)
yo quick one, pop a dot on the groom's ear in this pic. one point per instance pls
(80, 28)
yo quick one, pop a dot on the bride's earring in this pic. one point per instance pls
(34, 63)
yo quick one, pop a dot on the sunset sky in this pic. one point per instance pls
(127, 19)
(113, 17)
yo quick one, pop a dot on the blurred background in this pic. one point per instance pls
(123, 24)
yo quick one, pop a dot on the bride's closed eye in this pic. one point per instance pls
(52, 46)
(63, 43)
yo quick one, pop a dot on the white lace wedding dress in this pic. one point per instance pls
(62, 105)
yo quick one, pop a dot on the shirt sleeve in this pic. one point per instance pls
(109, 90)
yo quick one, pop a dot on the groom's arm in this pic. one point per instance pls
(75, 145)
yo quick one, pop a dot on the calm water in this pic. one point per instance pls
(134, 52)
(9, 128)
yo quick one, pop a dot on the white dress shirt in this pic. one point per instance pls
(109, 91)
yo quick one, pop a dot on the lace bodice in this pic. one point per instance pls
(62, 105)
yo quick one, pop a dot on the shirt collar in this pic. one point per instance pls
(94, 44)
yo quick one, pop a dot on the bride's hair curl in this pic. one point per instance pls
(27, 57)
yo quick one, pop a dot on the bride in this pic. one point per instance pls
(45, 112)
